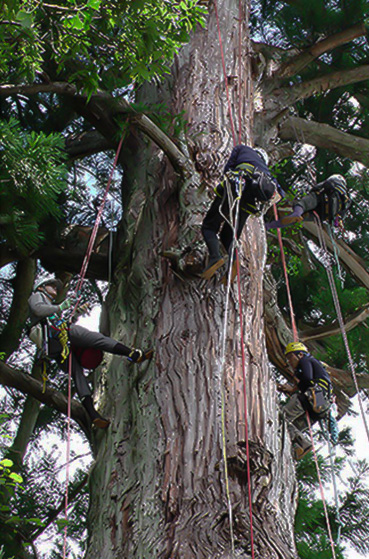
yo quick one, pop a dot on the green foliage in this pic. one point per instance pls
(94, 43)
(310, 523)
(33, 177)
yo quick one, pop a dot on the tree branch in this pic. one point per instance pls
(325, 136)
(286, 97)
(349, 259)
(87, 143)
(23, 283)
(51, 397)
(296, 63)
(101, 110)
(333, 329)
(53, 515)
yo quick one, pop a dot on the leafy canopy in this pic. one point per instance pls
(93, 43)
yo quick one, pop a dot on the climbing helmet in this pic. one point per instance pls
(295, 346)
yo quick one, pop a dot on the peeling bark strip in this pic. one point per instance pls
(157, 490)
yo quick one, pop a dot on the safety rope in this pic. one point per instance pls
(336, 255)
(295, 336)
(245, 403)
(334, 483)
(233, 205)
(225, 72)
(321, 488)
(234, 252)
(337, 306)
(78, 293)
(284, 265)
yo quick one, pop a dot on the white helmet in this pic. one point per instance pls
(339, 183)
(49, 280)
(263, 154)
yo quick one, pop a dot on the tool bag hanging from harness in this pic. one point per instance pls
(319, 397)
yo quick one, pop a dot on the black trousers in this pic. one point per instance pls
(215, 222)
(81, 337)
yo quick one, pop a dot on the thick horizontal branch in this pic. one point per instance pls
(296, 63)
(351, 322)
(55, 259)
(286, 97)
(24, 382)
(87, 143)
(325, 136)
(350, 260)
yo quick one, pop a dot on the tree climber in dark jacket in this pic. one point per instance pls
(311, 393)
(249, 178)
(57, 338)
(329, 199)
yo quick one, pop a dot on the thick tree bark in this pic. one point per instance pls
(325, 136)
(158, 488)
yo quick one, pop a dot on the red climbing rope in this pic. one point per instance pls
(91, 243)
(82, 275)
(295, 337)
(67, 453)
(225, 74)
(284, 265)
(245, 403)
(321, 489)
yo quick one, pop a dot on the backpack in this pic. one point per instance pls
(262, 185)
(334, 200)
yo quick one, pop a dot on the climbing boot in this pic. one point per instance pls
(290, 219)
(138, 355)
(214, 264)
(96, 419)
(299, 451)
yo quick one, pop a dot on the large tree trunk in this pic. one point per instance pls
(159, 487)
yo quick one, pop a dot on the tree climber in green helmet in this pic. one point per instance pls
(56, 337)
(311, 392)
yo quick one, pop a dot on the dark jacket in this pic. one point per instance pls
(309, 371)
(245, 154)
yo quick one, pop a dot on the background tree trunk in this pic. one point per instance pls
(158, 486)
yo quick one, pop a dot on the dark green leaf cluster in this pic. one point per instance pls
(93, 43)
(33, 178)
(352, 522)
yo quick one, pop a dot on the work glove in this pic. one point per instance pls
(67, 303)
(138, 355)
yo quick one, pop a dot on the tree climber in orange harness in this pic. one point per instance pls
(57, 338)
(329, 199)
(312, 393)
(249, 178)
